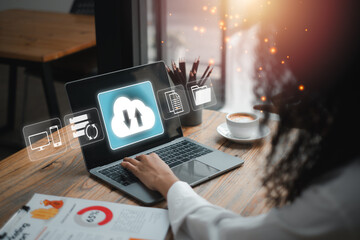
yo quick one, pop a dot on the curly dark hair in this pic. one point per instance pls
(318, 129)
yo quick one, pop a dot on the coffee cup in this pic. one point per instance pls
(242, 124)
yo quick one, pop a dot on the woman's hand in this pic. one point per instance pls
(152, 171)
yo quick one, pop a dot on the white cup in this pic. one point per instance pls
(242, 124)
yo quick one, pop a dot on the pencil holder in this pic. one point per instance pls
(198, 89)
(193, 118)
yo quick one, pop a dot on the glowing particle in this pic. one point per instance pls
(288, 57)
(244, 20)
(170, 14)
(195, 28)
(221, 23)
(260, 68)
(162, 42)
(263, 98)
(202, 30)
(266, 40)
(282, 62)
(268, 2)
(227, 39)
(213, 10)
(204, 8)
(306, 29)
(238, 69)
(301, 87)
(273, 50)
(211, 61)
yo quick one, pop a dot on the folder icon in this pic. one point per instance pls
(201, 95)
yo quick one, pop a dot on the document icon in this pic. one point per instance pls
(201, 95)
(173, 101)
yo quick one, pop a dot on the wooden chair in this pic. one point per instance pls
(76, 66)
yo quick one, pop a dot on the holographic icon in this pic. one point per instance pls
(201, 95)
(84, 127)
(173, 101)
(44, 139)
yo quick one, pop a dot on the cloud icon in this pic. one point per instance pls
(131, 117)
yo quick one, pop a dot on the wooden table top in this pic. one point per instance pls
(65, 175)
(44, 36)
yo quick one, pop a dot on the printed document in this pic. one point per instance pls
(63, 218)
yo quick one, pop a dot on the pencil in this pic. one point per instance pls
(197, 63)
(206, 70)
(196, 67)
(191, 78)
(171, 74)
(182, 67)
(192, 69)
(207, 77)
(176, 73)
(181, 76)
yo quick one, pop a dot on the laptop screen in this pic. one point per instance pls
(129, 112)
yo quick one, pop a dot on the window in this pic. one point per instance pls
(188, 30)
(218, 31)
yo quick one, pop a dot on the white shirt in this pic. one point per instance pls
(326, 210)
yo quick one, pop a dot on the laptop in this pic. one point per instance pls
(117, 96)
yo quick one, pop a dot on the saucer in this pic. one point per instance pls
(223, 130)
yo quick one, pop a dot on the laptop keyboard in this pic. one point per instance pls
(181, 152)
(172, 155)
(119, 174)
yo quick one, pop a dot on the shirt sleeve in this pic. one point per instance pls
(313, 216)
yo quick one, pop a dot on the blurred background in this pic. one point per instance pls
(130, 33)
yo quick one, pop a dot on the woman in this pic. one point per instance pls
(307, 66)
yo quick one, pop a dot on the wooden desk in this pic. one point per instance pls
(65, 175)
(30, 38)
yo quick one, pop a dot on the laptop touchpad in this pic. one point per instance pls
(193, 171)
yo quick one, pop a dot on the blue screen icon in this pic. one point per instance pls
(130, 114)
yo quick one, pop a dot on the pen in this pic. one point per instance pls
(14, 220)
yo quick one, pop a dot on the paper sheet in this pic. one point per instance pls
(62, 218)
